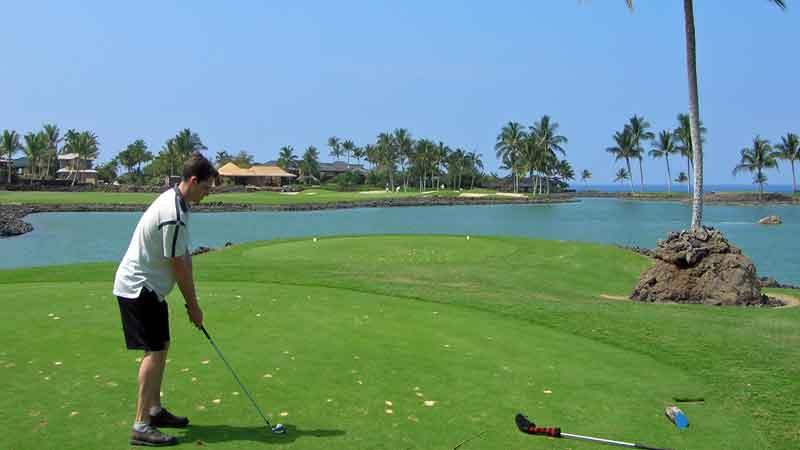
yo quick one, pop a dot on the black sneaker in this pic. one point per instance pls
(152, 437)
(165, 419)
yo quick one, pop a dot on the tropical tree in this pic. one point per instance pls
(564, 171)
(662, 148)
(222, 157)
(403, 144)
(309, 165)
(475, 166)
(789, 150)
(53, 139)
(639, 132)
(286, 158)
(84, 144)
(755, 159)
(543, 144)
(694, 108)
(624, 149)
(681, 178)
(179, 148)
(359, 153)
(10, 145)
(683, 141)
(35, 148)
(347, 148)
(586, 176)
(336, 147)
(387, 155)
(509, 149)
(621, 175)
(108, 171)
(134, 155)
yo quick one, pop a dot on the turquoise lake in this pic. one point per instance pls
(63, 238)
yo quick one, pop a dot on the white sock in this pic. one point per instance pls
(154, 410)
(140, 426)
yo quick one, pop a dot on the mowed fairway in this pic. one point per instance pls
(402, 342)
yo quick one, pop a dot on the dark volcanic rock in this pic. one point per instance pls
(700, 267)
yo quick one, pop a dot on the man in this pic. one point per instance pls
(158, 257)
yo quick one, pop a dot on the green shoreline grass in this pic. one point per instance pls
(255, 198)
(330, 331)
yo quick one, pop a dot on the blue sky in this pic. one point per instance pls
(260, 75)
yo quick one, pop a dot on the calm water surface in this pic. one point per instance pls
(60, 238)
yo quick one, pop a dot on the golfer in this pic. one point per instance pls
(158, 257)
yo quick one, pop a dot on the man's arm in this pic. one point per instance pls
(182, 267)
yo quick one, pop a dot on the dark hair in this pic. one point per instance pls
(198, 166)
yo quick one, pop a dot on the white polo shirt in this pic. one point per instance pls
(162, 234)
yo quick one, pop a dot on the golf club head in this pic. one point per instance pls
(278, 429)
(523, 423)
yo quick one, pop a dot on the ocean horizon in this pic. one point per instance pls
(777, 188)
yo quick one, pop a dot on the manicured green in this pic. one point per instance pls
(258, 198)
(329, 331)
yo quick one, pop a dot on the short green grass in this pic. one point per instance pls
(257, 198)
(350, 337)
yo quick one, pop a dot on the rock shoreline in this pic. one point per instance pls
(11, 223)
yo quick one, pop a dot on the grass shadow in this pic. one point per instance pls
(209, 434)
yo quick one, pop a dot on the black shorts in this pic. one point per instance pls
(145, 321)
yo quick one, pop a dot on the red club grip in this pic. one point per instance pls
(552, 432)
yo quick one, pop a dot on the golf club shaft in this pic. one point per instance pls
(608, 441)
(203, 329)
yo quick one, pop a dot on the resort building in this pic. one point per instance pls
(256, 175)
(330, 170)
(70, 166)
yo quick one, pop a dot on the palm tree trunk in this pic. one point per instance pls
(694, 116)
(669, 175)
(630, 174)
(641, 176)
(689, 174)
(794, 180)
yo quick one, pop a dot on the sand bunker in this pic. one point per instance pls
(470, 195)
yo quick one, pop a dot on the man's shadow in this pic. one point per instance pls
(208, 434)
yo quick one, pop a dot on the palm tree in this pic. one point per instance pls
(545, 142)
(662, 148)
(624, 149)
(683, 138)
(621, 175)
(509, 149)
(10, 145)
(53, 139)
(403, 144)
(387, 155)
(336, 147)
(286, 158)
(585, 176)
(347, 148)
(756, 159)
(564, 171)
(309, 165)
(640, 133)
(694, 108)
(222, 157)
(180, 147)
(789, 150)
(475, 166)
(682, 178)
(35, 148)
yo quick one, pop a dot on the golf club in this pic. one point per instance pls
(528, 427)
(278, 428)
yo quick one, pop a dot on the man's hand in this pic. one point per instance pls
(195, 315)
